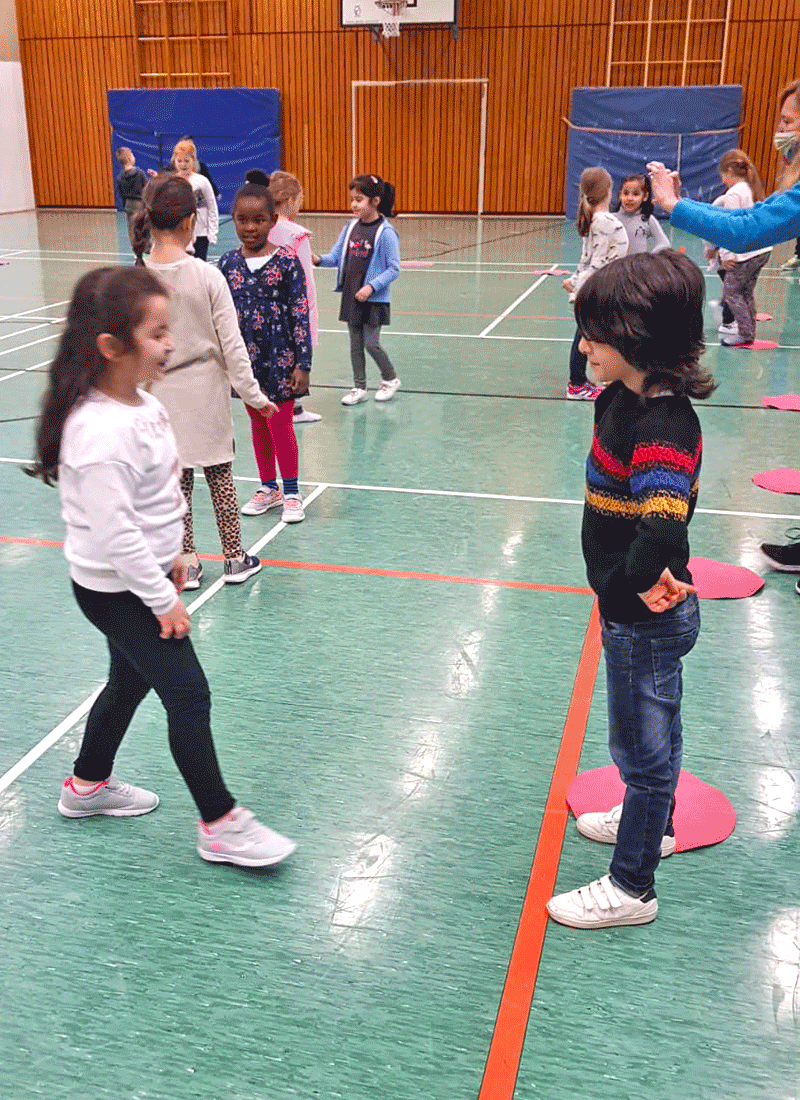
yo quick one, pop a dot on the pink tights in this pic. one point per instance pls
(275, 439)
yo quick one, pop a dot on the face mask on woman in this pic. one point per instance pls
(786, 143)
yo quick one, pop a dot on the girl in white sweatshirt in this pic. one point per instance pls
(110, 446)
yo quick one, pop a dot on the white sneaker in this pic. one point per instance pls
(239, 838)
(387, 390)
(354, 396)
(293, 511)
(716, 311)
(602, 827)
(306, 417)
(111, 798)
(601, 904)
(729, 330)
(261, 501)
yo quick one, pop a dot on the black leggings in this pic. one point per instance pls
(140, 660)
(577, 362)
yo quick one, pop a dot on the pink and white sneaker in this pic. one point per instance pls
(239, 838)
(110, 798)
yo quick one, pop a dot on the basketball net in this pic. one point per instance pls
(390, 17)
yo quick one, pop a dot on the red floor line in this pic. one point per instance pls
(363, 570)
(505, 1049)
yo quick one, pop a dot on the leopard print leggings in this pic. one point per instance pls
(226, 508)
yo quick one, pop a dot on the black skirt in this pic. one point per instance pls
(367, 313)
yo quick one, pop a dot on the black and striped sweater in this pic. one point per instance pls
(641, 491)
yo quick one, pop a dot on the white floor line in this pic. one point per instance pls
(529, 339)
(22, 331)
(83, 708)
(26, 370)
(515, 303)
(28, 312)
(30, 344)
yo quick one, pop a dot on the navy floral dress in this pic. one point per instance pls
(272, 308)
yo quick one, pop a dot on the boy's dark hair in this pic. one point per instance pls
(649, 307)
(256, 187)
(646, 209)
(375, 188)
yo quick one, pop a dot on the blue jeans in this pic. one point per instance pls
(643, 671)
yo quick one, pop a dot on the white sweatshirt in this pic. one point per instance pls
(607, 241)
(207, 210)
(121, 500)
(738, 197)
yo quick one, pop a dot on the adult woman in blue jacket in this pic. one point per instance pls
(770, 222)
(367, 256)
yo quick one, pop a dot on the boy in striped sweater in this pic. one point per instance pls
(641, 320)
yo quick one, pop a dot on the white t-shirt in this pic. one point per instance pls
(207, 211)
(121, 500)
(738, 197)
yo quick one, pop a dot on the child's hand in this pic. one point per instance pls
(315, 260)
(568, 285)
(666, 593)
(364, 293)
(178, 575)
(152, 173)
(268, 410)
(176, 623)
(299, 380)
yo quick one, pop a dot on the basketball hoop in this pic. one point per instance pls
(390, 18)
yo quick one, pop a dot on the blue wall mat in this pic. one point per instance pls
(681, 113)
(233, 128)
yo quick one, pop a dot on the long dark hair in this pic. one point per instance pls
(646, 209)
(108, 299)
(375, 188)
(649, 307)
(256, 186)
(166, 201)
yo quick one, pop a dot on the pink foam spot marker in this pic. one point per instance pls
(757, 345)
(703, 815)
(781, 480)
(541, 271)
(763, 316)
(789, 401)
(716, 580)
(416, 263)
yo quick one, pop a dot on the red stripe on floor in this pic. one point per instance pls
(505, 1050)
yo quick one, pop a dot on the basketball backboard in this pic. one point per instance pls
(366, 13)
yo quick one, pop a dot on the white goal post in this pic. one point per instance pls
(484, 83)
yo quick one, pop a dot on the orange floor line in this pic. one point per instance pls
(363, 570)
(505, 1050)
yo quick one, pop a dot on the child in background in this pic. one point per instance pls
(367, 255)
(287, 192)
(130, 183)
(604, 240)
(269, 291)
(209, 358)
(635, 211)
(641, 325)
(744, 187)
(184, 158)
(110, 446)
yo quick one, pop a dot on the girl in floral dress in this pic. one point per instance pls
(269, 292)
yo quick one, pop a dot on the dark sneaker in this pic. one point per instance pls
(785, 558)
(236, 571)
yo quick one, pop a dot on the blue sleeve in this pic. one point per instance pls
(391, 248)
(331, 259)
(770, 222)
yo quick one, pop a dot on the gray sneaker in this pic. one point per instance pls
(242, 840)
(236, 571)
(111, 798)
(193, 575)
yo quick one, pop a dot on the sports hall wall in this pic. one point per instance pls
(532, 53)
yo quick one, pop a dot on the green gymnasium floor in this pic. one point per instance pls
(405, 689)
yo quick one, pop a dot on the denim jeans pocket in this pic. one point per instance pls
(666, 655)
